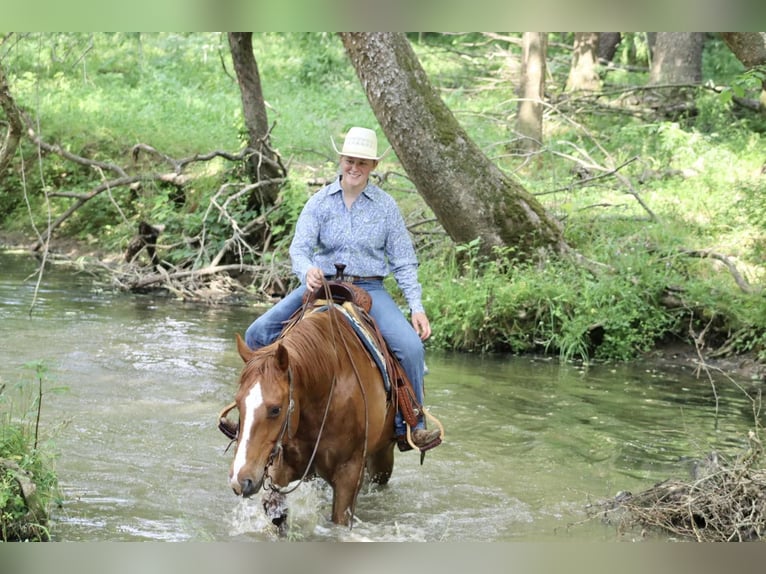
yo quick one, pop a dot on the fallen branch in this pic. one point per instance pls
(724, 501)
(82, 199)
(741, 282)
(164, 276)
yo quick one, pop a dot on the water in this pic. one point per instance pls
(134, 385)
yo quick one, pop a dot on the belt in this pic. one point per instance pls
(356, 278)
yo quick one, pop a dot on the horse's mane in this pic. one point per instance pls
(310, 339)
(306, 343)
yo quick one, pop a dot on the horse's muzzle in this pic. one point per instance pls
(246, 487)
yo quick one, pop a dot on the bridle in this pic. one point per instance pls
(276, 451)
(225, 426)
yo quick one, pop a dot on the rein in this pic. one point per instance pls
(277, 450)
(278, 447)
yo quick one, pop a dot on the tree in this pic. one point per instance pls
(529, 122)
(469, 195)
(15, 127)
(677, 58)
(607, 45)
(264, 164)
(583, 75)
(750, 49)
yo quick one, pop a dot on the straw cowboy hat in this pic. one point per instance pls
(361, 143)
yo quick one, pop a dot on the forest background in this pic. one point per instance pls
(659, 188)
(131, 158)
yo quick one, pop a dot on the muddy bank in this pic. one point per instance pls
(686, 357)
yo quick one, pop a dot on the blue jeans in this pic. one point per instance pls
(394, 326)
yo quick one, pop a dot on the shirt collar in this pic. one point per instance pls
(369, 190)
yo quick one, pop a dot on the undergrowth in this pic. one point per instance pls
(699, 175)
(28, 481)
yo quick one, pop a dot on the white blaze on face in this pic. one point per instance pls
(252, 401)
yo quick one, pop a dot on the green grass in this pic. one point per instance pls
(700, 175)
(25, 456)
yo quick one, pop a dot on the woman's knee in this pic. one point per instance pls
(406, 344)
(254, 335)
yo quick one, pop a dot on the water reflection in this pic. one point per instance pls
(529, 441)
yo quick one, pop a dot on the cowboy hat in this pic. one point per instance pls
(361, 143)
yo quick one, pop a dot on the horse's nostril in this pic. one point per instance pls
(247, 488)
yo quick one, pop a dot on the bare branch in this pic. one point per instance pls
(741, 282)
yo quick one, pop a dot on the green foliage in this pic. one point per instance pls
(549, 306)
(24, 460)
(698, 172)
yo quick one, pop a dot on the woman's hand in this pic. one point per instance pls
(422, 325)
(314, 277)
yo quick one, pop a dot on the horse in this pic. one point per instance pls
(314, 402)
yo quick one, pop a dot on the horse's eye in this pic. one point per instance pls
(274, 412)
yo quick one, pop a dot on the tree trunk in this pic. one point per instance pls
(750, 49)
(607, 45)
(15, 125)
(468, 194)
(264, 163)
(583, 75)
(529, 122)
(677, 58)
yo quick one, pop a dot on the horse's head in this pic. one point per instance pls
(268, 415)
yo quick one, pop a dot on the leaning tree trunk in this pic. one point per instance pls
(15, 126)
(264, 165)
(468, 194)
(529, 122)
(750, 49)
(607, 45)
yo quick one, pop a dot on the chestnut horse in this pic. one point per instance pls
(313, 402)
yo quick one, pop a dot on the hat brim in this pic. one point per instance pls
(359, 155)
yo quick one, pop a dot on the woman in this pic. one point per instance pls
(354, 222)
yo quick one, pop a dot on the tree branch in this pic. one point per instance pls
(741, 282)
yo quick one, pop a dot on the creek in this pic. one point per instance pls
(133, 385)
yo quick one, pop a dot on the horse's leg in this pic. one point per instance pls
(346, 483)
(380, 465)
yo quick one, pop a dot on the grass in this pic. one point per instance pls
(28, 483)
(699, 174)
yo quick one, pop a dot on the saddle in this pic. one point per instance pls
(340, 292)
(359, 303)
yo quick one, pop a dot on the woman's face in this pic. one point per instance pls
(356, 171)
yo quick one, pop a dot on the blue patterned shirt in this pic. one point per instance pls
(371, 238)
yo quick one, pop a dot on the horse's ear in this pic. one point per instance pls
(282, 357)
(244, 351)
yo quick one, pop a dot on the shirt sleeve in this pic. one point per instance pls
(402, 259)
(306, 238)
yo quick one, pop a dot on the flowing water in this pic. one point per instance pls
(133, 385)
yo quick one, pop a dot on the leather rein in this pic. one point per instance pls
(278, 448)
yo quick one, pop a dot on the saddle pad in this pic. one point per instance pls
(364, 335)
